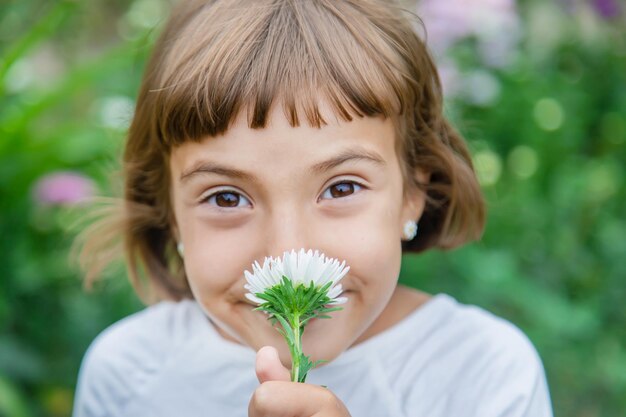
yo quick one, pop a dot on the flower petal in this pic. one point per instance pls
(301, 267)
(254, 299)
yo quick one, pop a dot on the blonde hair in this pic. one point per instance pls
(216, 59)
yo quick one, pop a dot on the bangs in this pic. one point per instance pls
(217, 61)
(296, 54)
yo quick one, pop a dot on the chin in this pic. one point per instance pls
(325, 353)
(318, 343)
(321, 343)
(323, 339)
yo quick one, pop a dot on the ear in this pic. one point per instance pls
(175, 233)
(415, 197)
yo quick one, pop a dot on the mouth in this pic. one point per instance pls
(238, 294)
(242, 298)
(246, 301)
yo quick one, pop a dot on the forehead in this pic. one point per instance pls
(282, 147)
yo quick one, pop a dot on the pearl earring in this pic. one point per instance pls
(181, 249)
(410, 230)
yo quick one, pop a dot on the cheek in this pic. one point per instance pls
(371, 245)
(376, 263)
(215, 261)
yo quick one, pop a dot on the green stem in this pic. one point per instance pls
(296, 354)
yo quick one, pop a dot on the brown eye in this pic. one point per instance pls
(341, 189)
(228, 199)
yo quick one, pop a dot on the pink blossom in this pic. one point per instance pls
(608, 9)
(63, 188)
(495, 24)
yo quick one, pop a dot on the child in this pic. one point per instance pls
(269, 125)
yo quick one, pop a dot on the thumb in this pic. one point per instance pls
(269, 367)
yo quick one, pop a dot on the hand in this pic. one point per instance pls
(277, 396)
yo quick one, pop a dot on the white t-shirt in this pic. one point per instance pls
(445, 359)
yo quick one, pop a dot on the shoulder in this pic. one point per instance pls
(494, 345)
(476, 337)
(488, 361)
(126, 356)
(494, 336)
(151, 332)
(508, 373)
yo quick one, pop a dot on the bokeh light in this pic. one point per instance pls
(548, 114)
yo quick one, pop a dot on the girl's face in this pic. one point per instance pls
(250, 193)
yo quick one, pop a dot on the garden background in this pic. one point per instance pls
(537, 87)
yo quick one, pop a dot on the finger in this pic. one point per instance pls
(291, 399)
(269, 367)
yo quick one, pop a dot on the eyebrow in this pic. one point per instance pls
(348, 155)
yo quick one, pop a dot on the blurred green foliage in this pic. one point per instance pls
(549, 146)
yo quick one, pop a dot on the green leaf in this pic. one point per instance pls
(305, 366)
(274, 300)
(305, 321)
(312, 303)
(289, 331)
(288, 291)
(331, 309)
(326, 287)
(300, 296)
(319, 362)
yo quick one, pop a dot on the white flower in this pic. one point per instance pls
(301, 267)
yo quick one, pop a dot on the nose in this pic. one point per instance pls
(287, 229)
